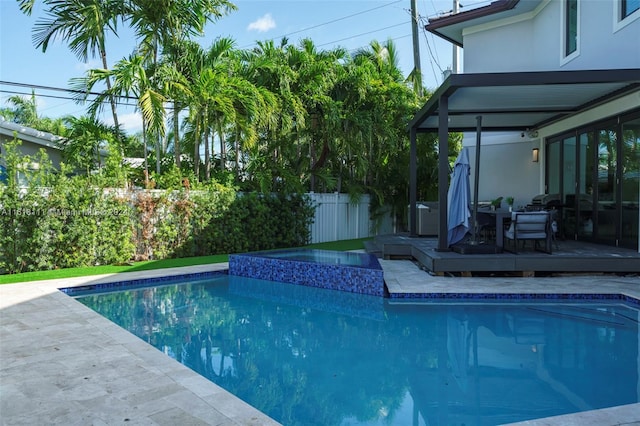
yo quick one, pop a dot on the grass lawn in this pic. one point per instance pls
(156, 264)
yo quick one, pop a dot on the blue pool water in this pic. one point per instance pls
(307, 356)
(327, 257)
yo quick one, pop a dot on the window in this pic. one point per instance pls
(628, 7)
(571, 26)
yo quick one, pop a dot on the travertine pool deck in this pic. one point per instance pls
(63, 364)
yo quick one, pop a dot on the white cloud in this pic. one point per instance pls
(262, 24)
(130, 122)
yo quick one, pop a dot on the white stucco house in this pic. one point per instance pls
(553, 89)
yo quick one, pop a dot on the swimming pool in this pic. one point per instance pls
(309, 356)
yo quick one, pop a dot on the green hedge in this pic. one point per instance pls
(61, 221)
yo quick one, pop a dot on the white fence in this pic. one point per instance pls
(336, 218)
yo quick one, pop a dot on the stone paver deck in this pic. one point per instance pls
(63, 364)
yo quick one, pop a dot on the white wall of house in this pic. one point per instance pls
(515, 50)
(613, 108)
(512, 153)
(533, 41)
(506, 167)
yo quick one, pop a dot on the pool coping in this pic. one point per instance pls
(62, 363)
(168, 392)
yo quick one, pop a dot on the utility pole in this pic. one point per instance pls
(456, 50)
(417, 72)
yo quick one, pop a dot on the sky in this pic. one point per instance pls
(351, 24)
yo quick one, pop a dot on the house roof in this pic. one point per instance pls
(8, 128)
(450, 26)
(521, 100)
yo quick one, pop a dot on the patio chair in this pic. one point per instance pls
(529, 226)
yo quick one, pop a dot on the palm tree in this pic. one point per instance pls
(219, 98)
(384, 57)
(84, 25)
(317, 74)
(86, 138)
(161, 25)
(24, 109)
(268, 66)
(179, 55)
(25, 112)
(375, 118)
(26, 6)
(131, 80)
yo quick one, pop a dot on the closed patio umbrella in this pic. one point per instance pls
(458, 199)
(458, 336)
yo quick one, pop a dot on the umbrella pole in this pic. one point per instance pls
(476, 174)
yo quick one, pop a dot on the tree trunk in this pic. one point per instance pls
(323, 157)
(237, 145)
(207, 156)
(103, 55)
(196, 156)
(144, 147)
(312, 154)
(176, 134)
(158, 153)
(223, 149)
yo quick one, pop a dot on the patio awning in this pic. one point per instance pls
(517, 101)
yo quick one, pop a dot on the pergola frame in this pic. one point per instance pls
(517, 101)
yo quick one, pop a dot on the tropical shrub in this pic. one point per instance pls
(53, 220)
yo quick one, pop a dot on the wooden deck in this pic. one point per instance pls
(567, 257)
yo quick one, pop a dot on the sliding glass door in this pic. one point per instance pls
(570, 175)
(586, 181)
(607, 212)
(630, 184)
(596, 173)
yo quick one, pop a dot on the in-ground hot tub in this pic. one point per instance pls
(335, 270)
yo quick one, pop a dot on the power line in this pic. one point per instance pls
(432, 57)
(58, 89)
(67, 98)
(361, 34)
(352, 51)
(12, 92)
(433, 40)
(330, 22)
(467, 6)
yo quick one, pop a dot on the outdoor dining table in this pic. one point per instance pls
(500, 215)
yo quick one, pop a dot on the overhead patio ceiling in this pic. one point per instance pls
(521, 100)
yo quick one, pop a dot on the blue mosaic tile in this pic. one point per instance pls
(140, 282)
(344, 271)
(590, 297)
